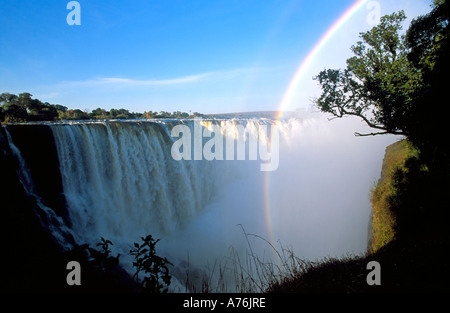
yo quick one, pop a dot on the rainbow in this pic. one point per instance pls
(287, 97)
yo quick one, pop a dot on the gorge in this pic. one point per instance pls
(119, 180)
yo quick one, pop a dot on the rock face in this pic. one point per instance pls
(37, 146)
(28, 251)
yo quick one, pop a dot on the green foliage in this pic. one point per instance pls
(14, 113)
(23, 108)
(379, 80)
(397, 83)
(409, 202)
(384, 217)
(156, 272)
(428, 35)
(428, 40)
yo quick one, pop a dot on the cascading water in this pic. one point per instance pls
(121, 181)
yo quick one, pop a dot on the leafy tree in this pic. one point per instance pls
(162, 114)
(24, 108)
(428, 41)
(196, 114)
(14, 113)
(76, 114)
(60, 107)
(99, 114)
(398, 84)
(11, 110)
(38, 111)
(7, 97)
(378, 83)
(24, 100)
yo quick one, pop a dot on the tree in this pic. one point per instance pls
(38, 111)
(24, 108)
(61, 111)
(148, 114)
(60, 107)
(398, 84)
(378, 83)
(24, 99)
(14, 113)
(11, 111)
(76, 114)
(196, 114)
(428, 41)
(7, 97)
(99, 114)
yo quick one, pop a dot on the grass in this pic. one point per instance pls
(409, 236)
(286, 273)
(383, 219)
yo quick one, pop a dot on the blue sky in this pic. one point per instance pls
(209, 56)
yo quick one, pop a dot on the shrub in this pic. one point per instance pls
(102, 259)
(155, 268)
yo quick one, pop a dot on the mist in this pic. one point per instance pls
(317, 203)
(121, 182)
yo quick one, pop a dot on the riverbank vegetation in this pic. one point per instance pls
(24, 108)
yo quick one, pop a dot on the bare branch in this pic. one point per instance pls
(343, 112)
(380, 133)
(367, 121)
(371, 134)
(333, 118)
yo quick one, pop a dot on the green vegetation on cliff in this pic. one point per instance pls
(383, 218)
(409, 236)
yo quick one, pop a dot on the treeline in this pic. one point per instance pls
(23, 108)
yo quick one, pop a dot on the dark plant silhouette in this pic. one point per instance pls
(101, 258)
(155, 268)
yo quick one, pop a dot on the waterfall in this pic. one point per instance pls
(191, 183)
(121, 181)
